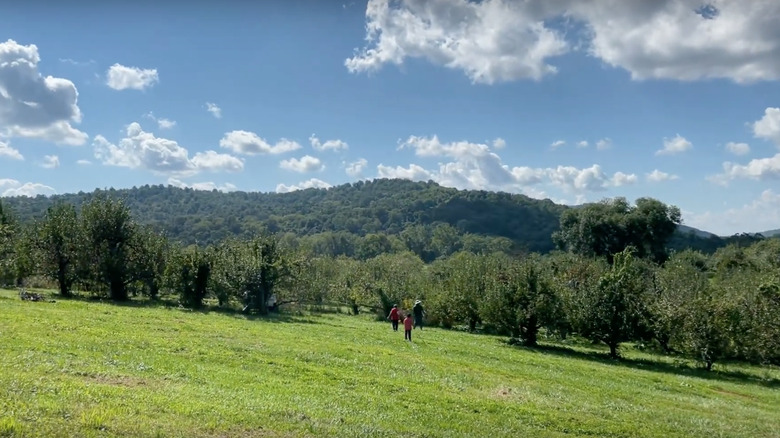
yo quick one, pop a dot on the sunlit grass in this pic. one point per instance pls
(81, 368)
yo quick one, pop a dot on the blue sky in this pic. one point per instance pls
(574, 101)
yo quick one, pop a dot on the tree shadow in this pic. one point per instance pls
(654, 365)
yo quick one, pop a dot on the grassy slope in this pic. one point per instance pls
(77, 368)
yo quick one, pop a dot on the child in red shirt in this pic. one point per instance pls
(394, 317)
(408, 325)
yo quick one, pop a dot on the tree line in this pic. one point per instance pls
(611, 280)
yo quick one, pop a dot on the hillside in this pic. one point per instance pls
(85, 368)
(361, 208)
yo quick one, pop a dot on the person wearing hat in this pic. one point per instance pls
(418, 314)
(394, 317)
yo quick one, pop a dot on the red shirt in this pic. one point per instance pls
(394, 314)
(408, 323)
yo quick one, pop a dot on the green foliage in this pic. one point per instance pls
(193, 270)
(609, 227)
(59, 244)
(613, 311)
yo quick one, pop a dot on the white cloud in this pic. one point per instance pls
(499, 143)
(313, 183)
(604, 144)
(162, 123)
(249, 143)
(502, 40)
(675, 145)
(12, 187)
(333, 145)
(205, 186)
(556, 144)
(738, 148)
(582, 144)
(680, 39)
(761, 214)
(491, 41)
(768, 128)
(757, 169)
(83, 162)
(214, 110)
(143, 150)
(211, 160)
(305, 164)
(572, 179)
(32, 105)
(355, 169)
(620, 179)
(7, 151)
(414, 172)
(120, 77)
(659, 176)
(50, 162)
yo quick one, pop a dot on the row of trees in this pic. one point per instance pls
(614, 282)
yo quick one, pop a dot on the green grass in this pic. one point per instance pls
(82, 368)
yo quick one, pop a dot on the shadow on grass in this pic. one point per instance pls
(283, 316)
(653, 365)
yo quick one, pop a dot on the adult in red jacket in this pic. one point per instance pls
(394, 317)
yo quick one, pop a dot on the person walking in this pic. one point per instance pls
(418, 314)
(408, 324)
(394, 317)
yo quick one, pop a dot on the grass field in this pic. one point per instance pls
(86, 368)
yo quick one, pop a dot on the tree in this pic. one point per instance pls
(610, 226)
(193, 269)
(8, 228)
(109, 233)
(613, 311)
(58, 246)
(682, 278)
(521, 299)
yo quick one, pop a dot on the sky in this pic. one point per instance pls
(575, 101)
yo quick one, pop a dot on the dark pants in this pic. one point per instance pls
(395, 325)
(408, 335)
(418, 322)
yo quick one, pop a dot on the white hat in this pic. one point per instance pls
(417, 302)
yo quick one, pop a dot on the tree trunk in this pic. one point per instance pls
(472, 324)
(613, 349)
(63, 282)
(118, 290)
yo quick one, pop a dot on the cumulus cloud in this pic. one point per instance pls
(499, 143)
(582, 144)
(355, 169)
(50, 162)
(332, 145)
(162, 123)
(603, 144)
(738, 148)
(205, 186)
(682, 40)
(83, 162)
(761, 214)
(768, 128)
(675, 145)
(556, 144)
(120, 77)
(143, 150)
(502, 40)
(7, 151)
(490, 41)
(757, 169)
(249, 143)
(659, 176)
(590, 179)
(215, 110)
(305, 164)
(32, 105)
(475, 166)
(313, 183)
(12, 187)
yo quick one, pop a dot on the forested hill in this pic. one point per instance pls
(366, 207)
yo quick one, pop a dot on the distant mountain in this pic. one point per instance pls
(412, 211)
(771, 233)
(703, 234)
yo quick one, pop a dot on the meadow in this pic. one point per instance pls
(79, 367)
